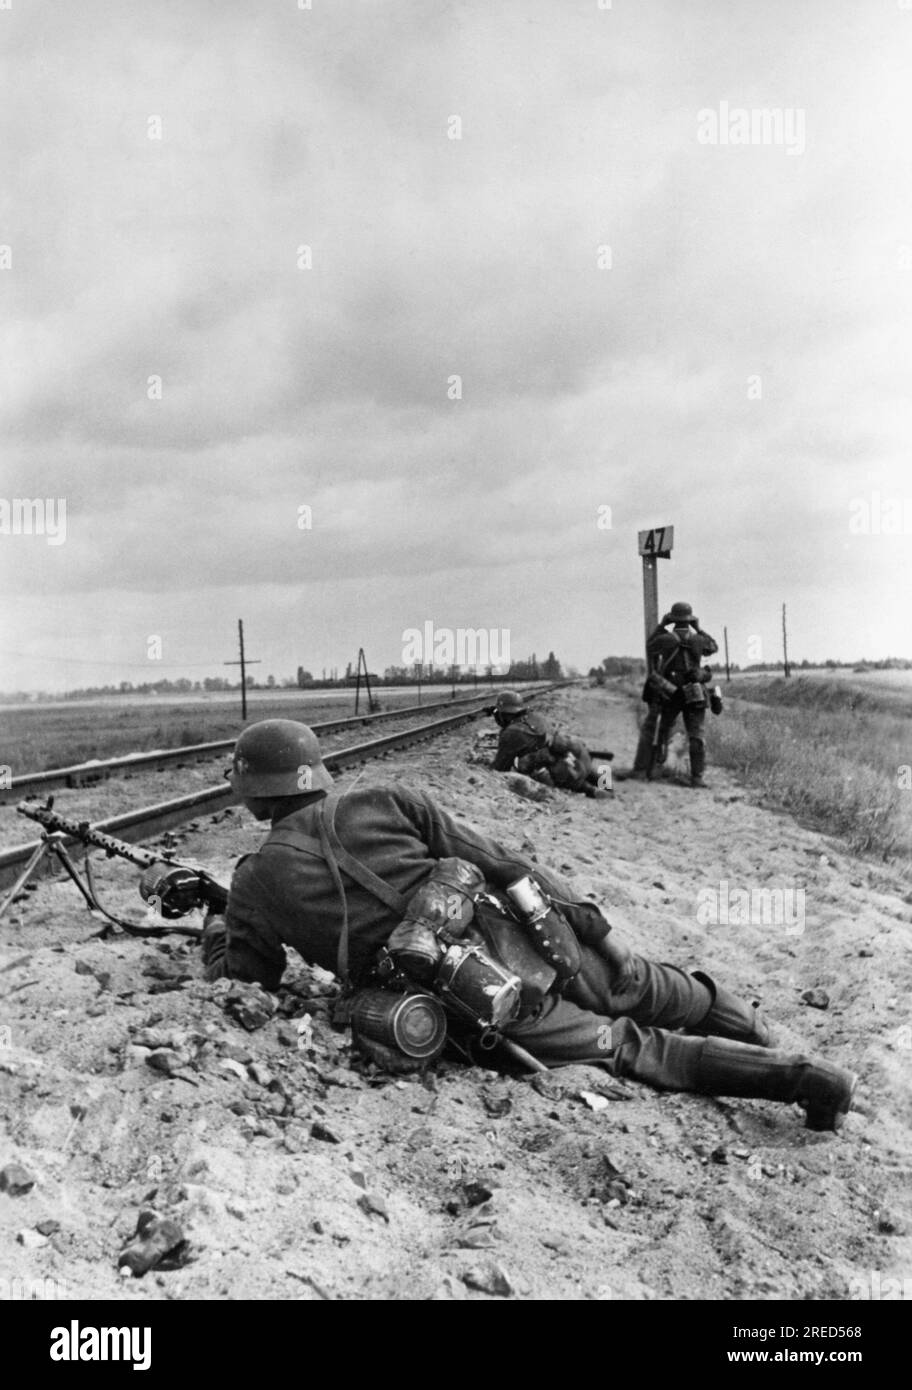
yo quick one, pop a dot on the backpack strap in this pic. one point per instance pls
(659, 666)
(320, 848)
(331, 850)
(672, 656)
(353, 867)
(338, 856)
(342, 948)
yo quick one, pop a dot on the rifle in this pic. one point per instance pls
(656, 745)
(661, 689)
(173, 887)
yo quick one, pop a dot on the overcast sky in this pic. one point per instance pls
(631, 386)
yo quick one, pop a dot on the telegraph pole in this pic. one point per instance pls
(727, 667)
(787, 670)
(362, 666)
(243, 663)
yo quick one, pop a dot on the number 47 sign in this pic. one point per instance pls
(657, 543)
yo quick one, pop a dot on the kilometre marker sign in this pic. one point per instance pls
(658, 542)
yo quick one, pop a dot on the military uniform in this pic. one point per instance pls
(531, 746)
(284, 894)
(335, 873)
(678, 657)
(570, 763)
(522, 737)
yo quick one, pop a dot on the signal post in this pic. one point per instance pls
(655, 544)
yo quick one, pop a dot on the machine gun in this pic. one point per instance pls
(171, 886)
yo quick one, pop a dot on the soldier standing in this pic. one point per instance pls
(675, 684)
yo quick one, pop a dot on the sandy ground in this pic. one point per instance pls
(294, 1175)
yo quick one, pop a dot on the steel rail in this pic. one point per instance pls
(99, 770)
(146, 822)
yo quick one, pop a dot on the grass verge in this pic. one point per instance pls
(830, 753)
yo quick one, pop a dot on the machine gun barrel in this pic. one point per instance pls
(173, 886)
(56, 824)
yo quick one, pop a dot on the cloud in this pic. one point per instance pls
(136, 258)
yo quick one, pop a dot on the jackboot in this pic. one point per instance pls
(697, 765)
(731, 1017)
(720, 1067)
(737, 1069)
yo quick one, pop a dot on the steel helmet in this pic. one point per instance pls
(508, 702)
(681, 613)
(278, 757)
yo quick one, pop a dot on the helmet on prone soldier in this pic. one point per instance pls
(276, 758)
(508, 702)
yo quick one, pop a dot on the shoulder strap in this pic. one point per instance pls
(330, 849)
(320, 849)
(342, 948)
(661, 669)
(357, 871)
(337, 855)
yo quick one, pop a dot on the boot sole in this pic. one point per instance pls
(830, 1121)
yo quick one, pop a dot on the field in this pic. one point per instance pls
(833, 752)
(888, 687)
(829, 751)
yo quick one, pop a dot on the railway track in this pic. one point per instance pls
(87, 774)
(147, 822)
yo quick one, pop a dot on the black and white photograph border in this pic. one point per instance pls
(455, 756)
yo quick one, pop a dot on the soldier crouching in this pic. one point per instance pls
(529, 744)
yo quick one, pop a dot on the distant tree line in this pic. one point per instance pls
(889, 663)
(529, 669)
(425, 674)
(617, 666)
(635, 666)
